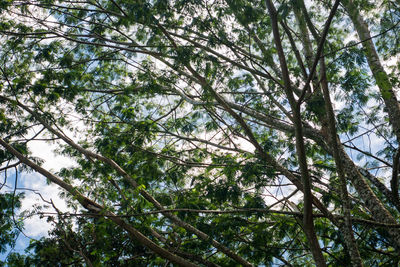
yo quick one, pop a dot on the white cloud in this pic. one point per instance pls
(35, 226)
(52, 161)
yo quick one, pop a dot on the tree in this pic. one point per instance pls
(216, 133)
(8, 226)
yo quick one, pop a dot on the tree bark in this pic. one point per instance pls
(391, 103)
(348, 226)
(379, 73)
(308, 222)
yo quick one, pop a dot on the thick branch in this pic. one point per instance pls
(308, 222)
(98, 209)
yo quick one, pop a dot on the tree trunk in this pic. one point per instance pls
(379, 73)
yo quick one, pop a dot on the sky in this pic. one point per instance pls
(35, 227)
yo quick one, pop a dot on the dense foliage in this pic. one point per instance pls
(208, 132)
(9, 227)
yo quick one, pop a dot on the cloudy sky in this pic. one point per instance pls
(34, 227)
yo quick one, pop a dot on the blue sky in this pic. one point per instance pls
(34, 227)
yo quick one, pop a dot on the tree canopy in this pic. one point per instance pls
(207, 132)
